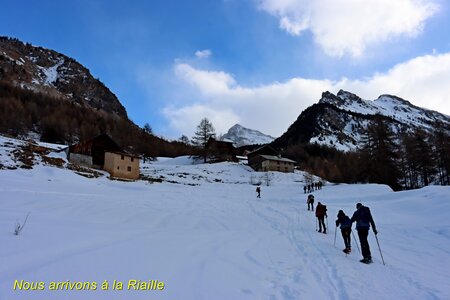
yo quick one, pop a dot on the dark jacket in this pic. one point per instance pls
(363, 218)
(343, 220)
(321, 210)
(310, 199)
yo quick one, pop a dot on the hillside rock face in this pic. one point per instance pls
(242, 136)
(340, 120)
(52, 73)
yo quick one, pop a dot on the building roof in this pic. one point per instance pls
(263, 149)
(103, 142)
(278, 158)
(124, 153)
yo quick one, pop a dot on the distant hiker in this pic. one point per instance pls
(346, 230)
(304, 189)
(310, 201)
(321, 213)
(320, 185)
(258, 191)
(364, 219)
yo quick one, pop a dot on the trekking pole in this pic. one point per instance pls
(354, 238)
(335, 229)
(380, 250)
(316, 224)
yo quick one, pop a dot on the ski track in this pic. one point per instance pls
(290, 226)
(296, 228)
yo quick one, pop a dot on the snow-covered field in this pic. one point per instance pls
(215, 239)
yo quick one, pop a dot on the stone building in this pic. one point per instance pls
(102, 152)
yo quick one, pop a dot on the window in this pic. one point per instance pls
(129, 169)
(122, 157)
(132, 159)
(118, 167)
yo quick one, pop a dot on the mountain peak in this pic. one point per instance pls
(242, 136)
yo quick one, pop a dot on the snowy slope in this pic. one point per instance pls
(242, 136)
(215, 240)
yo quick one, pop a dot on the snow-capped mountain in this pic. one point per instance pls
(49, 72)
(340, 120)
(242, 136)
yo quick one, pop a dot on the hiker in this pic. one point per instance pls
(364, 219)
(321, 213)
(310, 201)
(304, 189)
(346, 230)
(258, 191)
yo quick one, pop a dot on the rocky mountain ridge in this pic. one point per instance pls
(49, 72)
(340, 121)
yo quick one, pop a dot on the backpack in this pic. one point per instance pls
(321, 210)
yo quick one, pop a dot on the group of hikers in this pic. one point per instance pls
(314, 186)
(363, 218)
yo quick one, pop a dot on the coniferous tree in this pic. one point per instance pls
(148, 129)
(380, 153)
(205, 131)
(424, 156)
(441, 142)
(184, 139)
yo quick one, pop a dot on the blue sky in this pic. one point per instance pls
(254, 62)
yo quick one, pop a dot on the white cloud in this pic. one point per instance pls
(272, 108)
(203, 53)
(186, 119)
(349, 26)
(422, 80)
(209, 82)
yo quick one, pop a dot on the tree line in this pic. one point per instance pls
(64, 121)
(403, 161)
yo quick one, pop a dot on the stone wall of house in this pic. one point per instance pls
(121, 165)
(80, 159)
(280, 166)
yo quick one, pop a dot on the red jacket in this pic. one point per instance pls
(321, 210)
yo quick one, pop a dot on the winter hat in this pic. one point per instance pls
(358, 205)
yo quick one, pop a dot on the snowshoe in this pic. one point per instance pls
(366, 261)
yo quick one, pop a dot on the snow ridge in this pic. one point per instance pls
(343, 129)
(242, 136)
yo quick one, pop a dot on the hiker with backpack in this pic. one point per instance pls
(258, 191)
(346, 230)
(310, 201)
(321, 213)
(363, 218)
